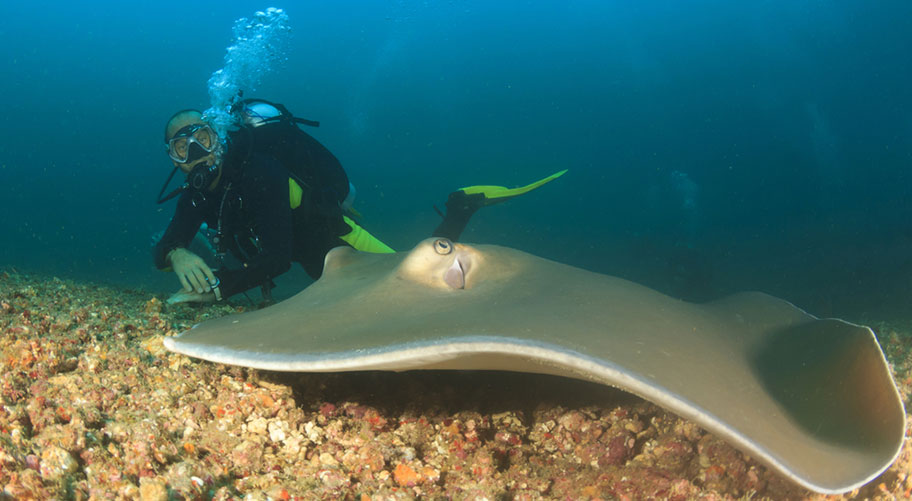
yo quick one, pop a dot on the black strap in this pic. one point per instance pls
(176, 192)
(312, 123)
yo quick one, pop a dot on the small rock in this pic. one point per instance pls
(153, 306)
(257, 426)
(326, 459)
(332, 479)
(277, 430)
(405, 475)
(56, 462)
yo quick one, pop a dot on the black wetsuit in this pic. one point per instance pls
(250, 209)
(252, 214)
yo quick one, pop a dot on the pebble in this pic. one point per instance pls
(257, 426)
(277, 430)
(56, 462)
(327, 460)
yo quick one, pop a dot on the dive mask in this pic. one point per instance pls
(191, 143)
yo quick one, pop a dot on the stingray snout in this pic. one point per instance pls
(455, 275)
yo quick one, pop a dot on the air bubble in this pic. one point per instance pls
(257, 47)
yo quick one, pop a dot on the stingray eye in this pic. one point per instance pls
(443, 246)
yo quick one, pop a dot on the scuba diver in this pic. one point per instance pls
(270, 194)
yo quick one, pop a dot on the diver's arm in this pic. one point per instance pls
(266, 196)
(180, 232)
(171, 251)
(192, 271)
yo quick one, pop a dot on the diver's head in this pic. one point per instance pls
(193, 146)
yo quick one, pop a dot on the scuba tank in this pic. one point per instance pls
(317, 173)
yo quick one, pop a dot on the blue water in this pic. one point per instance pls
(713, 146)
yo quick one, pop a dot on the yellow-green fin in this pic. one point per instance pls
(497, 194)
(361, 240)
(294, 193)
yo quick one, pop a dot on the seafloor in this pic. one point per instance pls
(93, 407)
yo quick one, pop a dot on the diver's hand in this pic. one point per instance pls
(194, 274)
(183, 296)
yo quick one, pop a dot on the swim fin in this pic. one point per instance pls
(497, 194)
(463, 203)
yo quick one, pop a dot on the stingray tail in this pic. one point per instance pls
(463, 203)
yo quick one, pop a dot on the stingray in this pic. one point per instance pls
(811, 398)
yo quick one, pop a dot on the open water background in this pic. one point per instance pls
(713, 146)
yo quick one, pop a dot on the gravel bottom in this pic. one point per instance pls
(93, 407)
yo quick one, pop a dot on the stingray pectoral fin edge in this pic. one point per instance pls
(509, 354)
